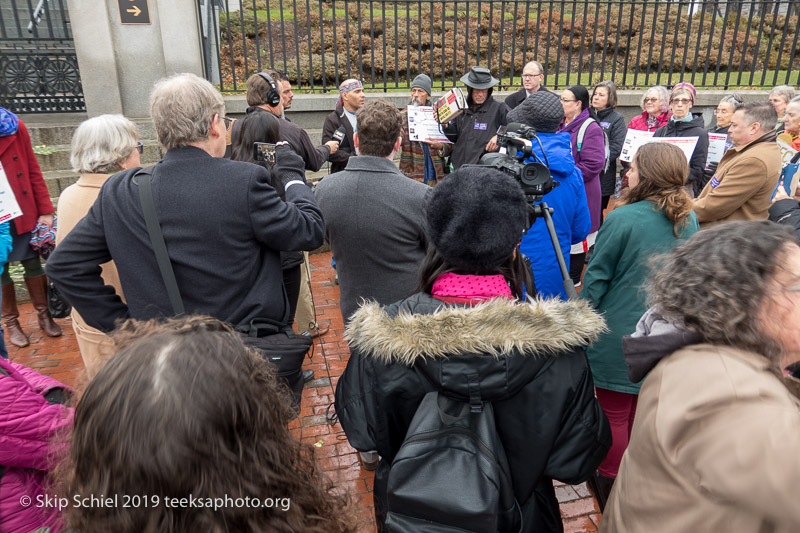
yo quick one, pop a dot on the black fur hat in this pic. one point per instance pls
(542, 110)
(476, 217)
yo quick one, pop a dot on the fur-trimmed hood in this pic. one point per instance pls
(407, 332)
(501, 344)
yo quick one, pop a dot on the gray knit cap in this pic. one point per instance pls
(423, 82)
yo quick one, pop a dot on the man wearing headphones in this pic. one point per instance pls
(264, 94)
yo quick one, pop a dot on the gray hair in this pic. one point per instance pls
(762, 112)
(101, 143)
(183, 107)
(717, 282)
(784, 91)
(734, 100)
(663, 96)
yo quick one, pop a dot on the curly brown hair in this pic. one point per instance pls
(716, 283)
(379, 125)
(185, 410)
(663, 170)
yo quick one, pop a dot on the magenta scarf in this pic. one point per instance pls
(471, 287)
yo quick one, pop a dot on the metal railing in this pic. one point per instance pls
(637, 43)
(38, 65)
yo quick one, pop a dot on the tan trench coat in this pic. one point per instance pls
(714, 448)
(73, 204)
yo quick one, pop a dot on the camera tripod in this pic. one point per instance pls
(541, 210)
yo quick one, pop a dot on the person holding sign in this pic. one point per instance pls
(748, 173)
(789, 139)
(422, 160)
(31, 205)
(718, 140)
(475, 130)
(684, 124)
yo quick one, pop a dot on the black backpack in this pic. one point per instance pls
(451, 472)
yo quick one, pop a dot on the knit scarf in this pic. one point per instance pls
(9, 123)
(468, 288)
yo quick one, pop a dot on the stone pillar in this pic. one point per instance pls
(120, 63)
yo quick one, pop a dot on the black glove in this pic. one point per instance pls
(288, 166)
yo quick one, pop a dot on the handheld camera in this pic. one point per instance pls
(264, 152)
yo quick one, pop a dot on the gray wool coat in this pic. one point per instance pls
(375, 223)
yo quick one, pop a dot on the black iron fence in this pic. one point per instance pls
(38, 66)
(637, 43)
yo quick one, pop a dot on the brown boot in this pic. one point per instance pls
(37, 287)
(10, 316)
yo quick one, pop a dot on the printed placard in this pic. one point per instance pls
(9, 208)
(423, 126)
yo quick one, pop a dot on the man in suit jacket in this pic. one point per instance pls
(223, 224)
(350, 101)
(532, 76)
(374, 215)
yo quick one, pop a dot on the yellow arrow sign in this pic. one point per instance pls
(135, 11)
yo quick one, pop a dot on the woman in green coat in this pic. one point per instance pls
(656, 214)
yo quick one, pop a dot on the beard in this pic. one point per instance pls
(415, 101)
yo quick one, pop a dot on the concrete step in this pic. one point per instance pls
(59, 158)
(58, 180)
(59, 130)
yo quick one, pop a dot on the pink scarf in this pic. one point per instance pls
(469, 287)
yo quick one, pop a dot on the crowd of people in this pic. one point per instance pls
(474, 380)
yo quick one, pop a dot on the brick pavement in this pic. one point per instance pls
(60, 358)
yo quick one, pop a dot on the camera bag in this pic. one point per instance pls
(275, 340)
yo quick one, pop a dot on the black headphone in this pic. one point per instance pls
(273, 96)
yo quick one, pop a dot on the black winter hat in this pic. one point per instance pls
(542, 110)
(476, 217)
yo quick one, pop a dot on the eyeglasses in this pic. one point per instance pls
(651, 99)
(531, 75)
(140, 147)
(682, 101)
(565, 100)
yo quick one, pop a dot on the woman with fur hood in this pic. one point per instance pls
(472, 335)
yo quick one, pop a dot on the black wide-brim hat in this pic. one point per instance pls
(479, 78)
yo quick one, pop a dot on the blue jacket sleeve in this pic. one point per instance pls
(5, 243)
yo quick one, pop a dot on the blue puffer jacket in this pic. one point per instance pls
(570, 215)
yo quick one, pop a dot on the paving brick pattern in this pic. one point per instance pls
(60, 358)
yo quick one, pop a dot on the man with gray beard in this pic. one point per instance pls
(421, 161)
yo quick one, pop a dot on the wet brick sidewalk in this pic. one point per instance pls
(60, 358)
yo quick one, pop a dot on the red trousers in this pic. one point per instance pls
(620, 409)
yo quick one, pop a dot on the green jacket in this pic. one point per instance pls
(628, 238)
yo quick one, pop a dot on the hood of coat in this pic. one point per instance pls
(654, 339)
(502, 343)
(558, 149)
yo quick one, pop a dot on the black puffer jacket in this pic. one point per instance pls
(531, 365)
(614, 125)
(697, 165)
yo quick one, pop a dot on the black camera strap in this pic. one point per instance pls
(144, 179)
(145, 183)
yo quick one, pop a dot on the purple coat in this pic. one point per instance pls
(590, 161)
(27, 424)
